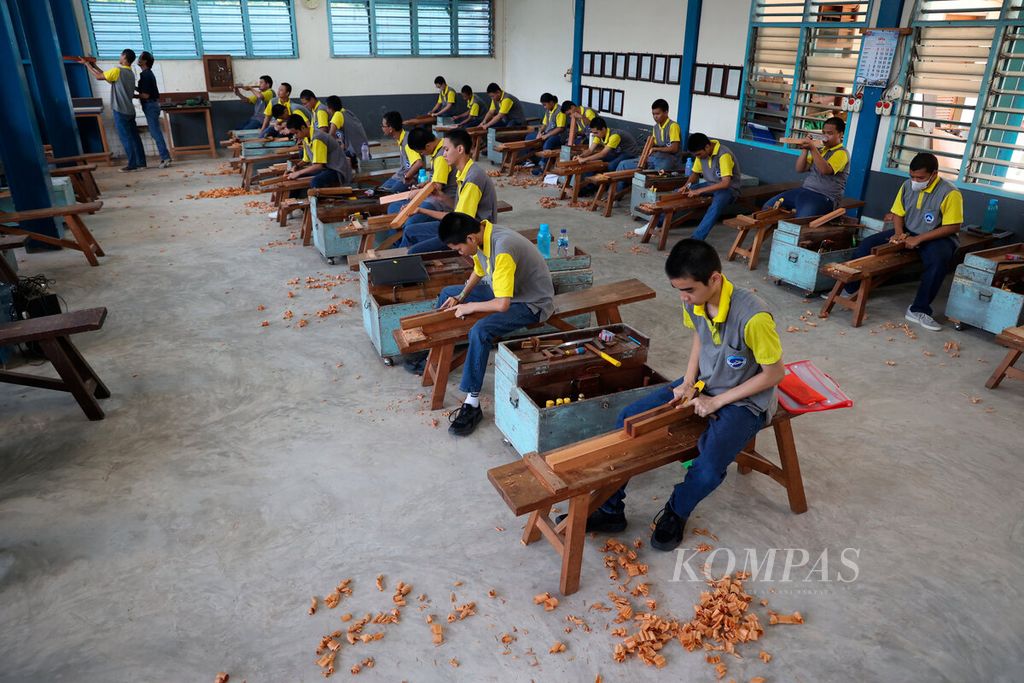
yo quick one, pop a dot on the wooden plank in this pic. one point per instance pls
(51, 212)
(409, 209)
(544, 474)
(818, 222)
(646, 153)
(398, 197)
(50, 326)
(657, 418)
(890, 248)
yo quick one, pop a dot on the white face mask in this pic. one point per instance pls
(918, 186)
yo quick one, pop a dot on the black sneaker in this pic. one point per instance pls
(464, 420)
(668, 529)
(128, 169)
(415, 363)
(602, 522)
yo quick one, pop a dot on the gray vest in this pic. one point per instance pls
(711, 168)
(259, 107)
(515, 115)
(832, 186)
(533, 285)
(552, 121)
(121, 92)
(628, 146)
(296, 108)
(732, 362)
(487, 210)
(336, 158)
(929, 216)
(355, 134)
(661, 139)
(480, 103)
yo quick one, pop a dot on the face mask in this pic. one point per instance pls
(918, 186)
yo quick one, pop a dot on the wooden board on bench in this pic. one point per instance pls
(72, 215)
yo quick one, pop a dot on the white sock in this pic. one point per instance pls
(473, 399)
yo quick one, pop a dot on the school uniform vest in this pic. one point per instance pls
(297, 108)
(451, 188)
(288, 108)
(515, 115)
(929, 216)
(731, 363)
(832, 186)
(627, 144)
(480, 106)
(661, 139)
(355, 134)
(487, 209)
(550, 121)
(337, 160)
(533, 285)
(259, 106)
(711, 168)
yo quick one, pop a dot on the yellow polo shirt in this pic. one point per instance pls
(265, 95)
(474, 108)
(270, 106)
(442, 170)
(726, 164)
(338, 120)
(952, 207)
(410, 153)
(559, 118)
(610, 140)
(469, 194)
(759, 334)
(503, 273)
(504, 104)
(446, 96)
(837, 161)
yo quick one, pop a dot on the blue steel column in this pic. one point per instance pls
(70, 40)
(577, 50)
(890, 12)
(691, 35)
(53, 98)
(21, 148)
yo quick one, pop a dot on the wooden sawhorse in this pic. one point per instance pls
(1013, 339)
(72, 215)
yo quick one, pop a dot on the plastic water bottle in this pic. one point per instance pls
(423, 176)
(689, 166)
(544, 240)
(563, 243)
(364, 152)
(991, 216)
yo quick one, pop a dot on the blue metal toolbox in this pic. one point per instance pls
(988, 289)
(384, 307)
(797, 259)
(328, 242)
(525, 380)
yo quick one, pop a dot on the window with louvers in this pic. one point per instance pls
(963, 97)
(801, 60)
(393, 28)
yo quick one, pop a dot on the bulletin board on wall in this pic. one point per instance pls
(608, 100)
(717, 80)
(633, 66)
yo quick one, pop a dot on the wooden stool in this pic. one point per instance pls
(72, 215)
(609, 182)
(53, 334)
(788, 472)
(1013, 339)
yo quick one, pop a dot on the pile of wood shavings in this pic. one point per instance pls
(222, 192)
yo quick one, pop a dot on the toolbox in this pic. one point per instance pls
(797, 255)
(326, 239)
(526, 379)
(988, 289)
(385, 306)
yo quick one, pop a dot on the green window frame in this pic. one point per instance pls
(801, 59)
(411, 28)
(188, 29)
(963, 94)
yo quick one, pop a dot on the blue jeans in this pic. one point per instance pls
(937, 256)
(432, 204)
(152, 112)
(417, 233)
(486, 331)
(326, 178)
(805, 202)
(721, 442)
(471, 122)
(395, 183)
(128, 133)
(269, 132)
(253, 122)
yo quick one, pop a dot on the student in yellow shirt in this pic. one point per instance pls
(322, 156)
(445, 98)
(472, 116)
(284, 98)
(259, 97)
(318, 110)
(583, 115)
(411, 161)
(552, 130)
(506, 110)
(612, 146)
(927, 215)
(827, 165)
(122, 92)
(347, 127)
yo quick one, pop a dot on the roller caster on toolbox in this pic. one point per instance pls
(332, 260)
(389, 361)
(958, 326)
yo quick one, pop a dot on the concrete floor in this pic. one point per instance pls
(242, 469)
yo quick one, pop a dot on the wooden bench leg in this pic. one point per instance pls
(82, 238)
(71, 379)
(790, 466)
(597, 197)
(307, 226)
(608, 315)
(737, 245)
(666, 225)
(576, 186)
(613, 196)
(1004, 369)
(860, 299)
(565, 187)
(649, 233)
(830, 302)
(759, 238)
(83, 368)
(531, 534)
(439, 370)
(575, 534)
(741, 465)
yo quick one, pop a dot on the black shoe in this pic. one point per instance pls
(415, 363)
(668, 529)
(464, 420)
(602, 522)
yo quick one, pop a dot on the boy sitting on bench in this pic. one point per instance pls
(411, 162)
(323, 156)
(506, 111)
(614, 146)
(829, 166)
(927, 214)
(736, 352)
(472, 116)
(552, 131)
(584, 116)
(717, 164)
(423, 142)
(517, 292)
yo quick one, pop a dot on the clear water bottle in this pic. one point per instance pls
(364, 152)
(544, 240)
(563, 243)
(991, 216)
(689, 166)
(423, 176)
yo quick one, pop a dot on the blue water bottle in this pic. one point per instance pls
(544, 240)
(991, 216)
(423, 176)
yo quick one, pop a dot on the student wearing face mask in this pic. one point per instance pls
(827, 164)
(926, 216)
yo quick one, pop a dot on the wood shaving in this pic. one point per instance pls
(437, 633)
(556, 648)
(454, 662)
(547, 202)
(765, 657)
(891, 363)
(705, 532)
(312, 606)
(952, 348)
(261, 307)
(401, 590)
(380, 582)
(776, 618)
(221, 193)
(704, 547)
(221, 678)
(549, 602)
(302, 323)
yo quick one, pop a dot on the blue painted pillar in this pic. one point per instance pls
(70, 40)
(691, 35)
(21, 148)
(577, 50)
(53, 98)
(890, 12)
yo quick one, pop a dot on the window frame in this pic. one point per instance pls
(806, 24)
(453, 8)
(196, 32)
(1000, 25)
